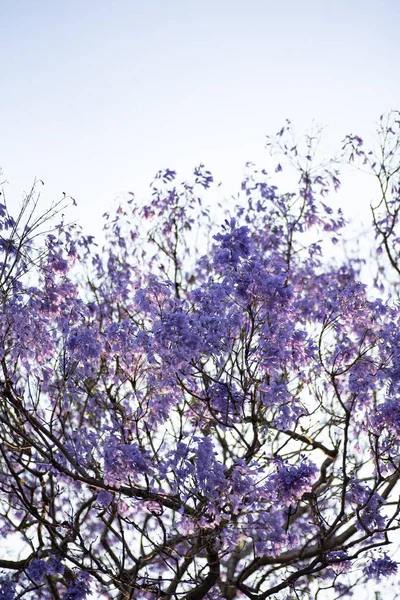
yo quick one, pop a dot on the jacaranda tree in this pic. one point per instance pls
(203, 410)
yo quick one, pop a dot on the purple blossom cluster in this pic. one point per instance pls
(290, 482)
(379, 568)
(339, 561)
(80, 588)
(39, 568)
(124, 462)
(368, 505)
(234, 245)
(209, 472)
(7, 590)
(388, 417)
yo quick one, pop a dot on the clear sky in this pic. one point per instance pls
(97, 95)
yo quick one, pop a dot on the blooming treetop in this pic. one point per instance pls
(213, 419)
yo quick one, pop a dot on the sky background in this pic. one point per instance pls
(96, 96)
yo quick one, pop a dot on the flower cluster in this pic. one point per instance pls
(80, 589)
(7, 589)
(209, 471)
(124, 462)
(39, 568)
(379, 568)
(290, 482)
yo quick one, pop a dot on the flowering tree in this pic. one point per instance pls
(201, 411)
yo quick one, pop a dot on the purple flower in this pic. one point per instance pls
(291, 481)
(381, 567)
(124, 461)
(203, 177)
(209, 472)
(79, 589)
(54, 566)
(358, 493)
(370, 503)
(104, 498)
(83, 344)
(234, 245)
(7, 590)
(339, 561)
(388, 416)
(37, 570)
(268, 532)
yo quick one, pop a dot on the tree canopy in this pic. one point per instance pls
(207, 404)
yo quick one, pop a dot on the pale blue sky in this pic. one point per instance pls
(97, 95)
